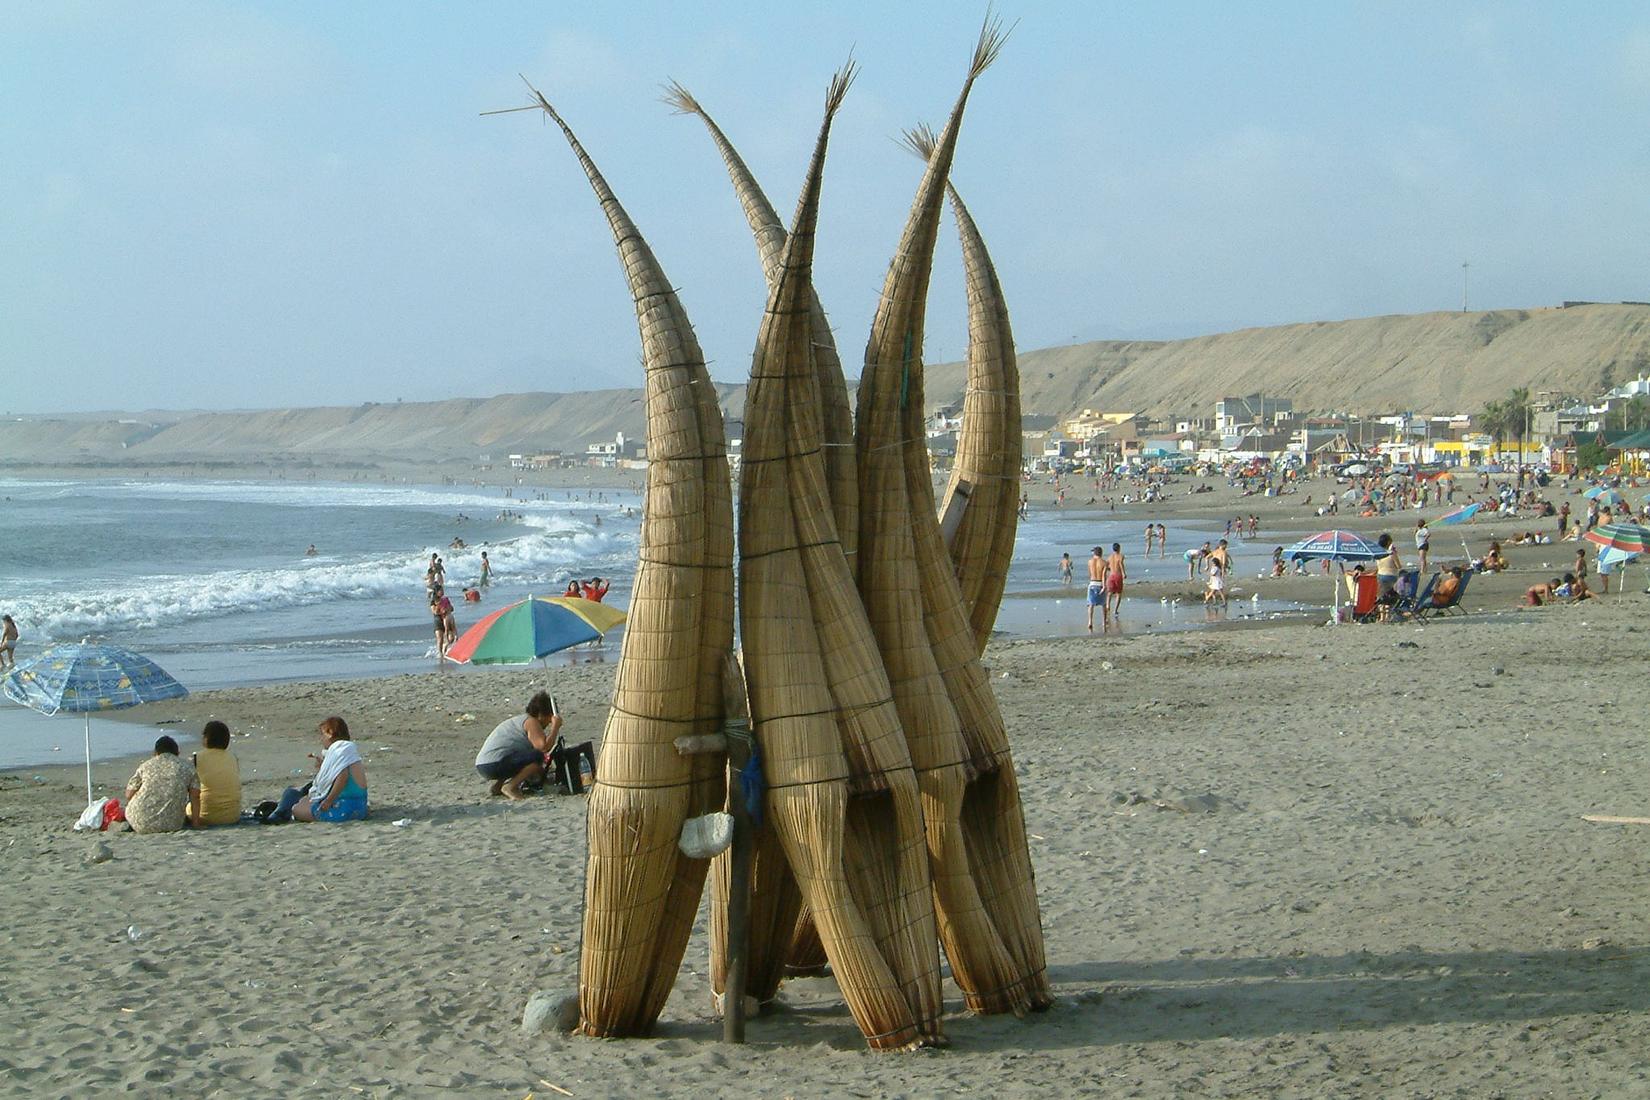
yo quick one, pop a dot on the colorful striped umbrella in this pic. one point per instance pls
(1633, 538)
(533, 628)
(80, 678)
(1459, 515)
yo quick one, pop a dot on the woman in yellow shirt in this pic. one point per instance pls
(220, 777)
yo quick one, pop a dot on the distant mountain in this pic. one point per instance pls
(1428, 362)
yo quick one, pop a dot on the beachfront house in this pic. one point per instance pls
(619, 452)
(1232, 413)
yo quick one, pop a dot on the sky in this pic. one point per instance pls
(247, 205)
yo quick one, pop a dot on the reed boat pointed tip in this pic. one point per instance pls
(679, 99)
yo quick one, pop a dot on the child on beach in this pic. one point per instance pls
(1215, 592)
(1065, 570)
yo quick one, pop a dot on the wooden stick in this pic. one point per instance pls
(1609, 820)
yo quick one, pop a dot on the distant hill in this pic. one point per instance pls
(1428, 362)
(1425, 362)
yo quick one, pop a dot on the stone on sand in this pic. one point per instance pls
(547, 1010)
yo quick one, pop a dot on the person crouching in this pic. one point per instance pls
(513, 753)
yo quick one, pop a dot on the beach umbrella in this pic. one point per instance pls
(1606, 496)
(532, 628)
(1632, 538)
(1458, 515)
(81, 678)
(1335, 545)
(1619, 543)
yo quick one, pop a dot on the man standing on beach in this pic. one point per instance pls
(8, 642)
(1563, 518)
(1162, 540)
(1114, 579)
(1223, 555)
(486, 571)
(1097, 588)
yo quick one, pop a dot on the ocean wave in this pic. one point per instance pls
(552, 548)
(483, 503)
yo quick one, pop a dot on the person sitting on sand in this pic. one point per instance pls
(339, 790)
(1578, 589)
(1278, 568)
(513, 753)
(1494, 561)
(1448, 584)
(1538, 594)
(163, 795)
(220, 777)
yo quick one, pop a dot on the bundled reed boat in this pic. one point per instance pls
(983, 889)
(842, 795)
(641, 892)
(979, 512)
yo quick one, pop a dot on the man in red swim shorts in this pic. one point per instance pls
(1114, 578)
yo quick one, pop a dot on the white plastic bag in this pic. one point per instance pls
(91, 818)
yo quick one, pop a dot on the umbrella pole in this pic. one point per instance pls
(88, 718)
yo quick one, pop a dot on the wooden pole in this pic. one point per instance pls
(739, 890)
(737, 734)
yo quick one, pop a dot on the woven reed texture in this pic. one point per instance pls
(641, 893)
(806, 958)
(989, 445)
(843, 799)
(906, 579)
(770, 235)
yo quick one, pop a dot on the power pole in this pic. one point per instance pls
(1464, 266)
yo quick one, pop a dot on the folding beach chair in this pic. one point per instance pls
(1414, 605)
(1452, 605)
(1365, 605)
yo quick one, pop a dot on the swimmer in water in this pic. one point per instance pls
(311, 552)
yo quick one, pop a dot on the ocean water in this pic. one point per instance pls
(211, 579)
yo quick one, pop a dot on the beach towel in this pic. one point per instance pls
(339, 756)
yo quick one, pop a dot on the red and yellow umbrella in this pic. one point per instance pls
(532, 628)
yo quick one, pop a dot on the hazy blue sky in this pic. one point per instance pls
(237, 205)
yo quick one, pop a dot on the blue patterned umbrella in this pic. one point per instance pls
(1335, 545)
(82, 678)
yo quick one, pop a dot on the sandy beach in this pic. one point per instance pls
(1291, 859)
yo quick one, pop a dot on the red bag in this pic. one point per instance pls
(112, 813)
